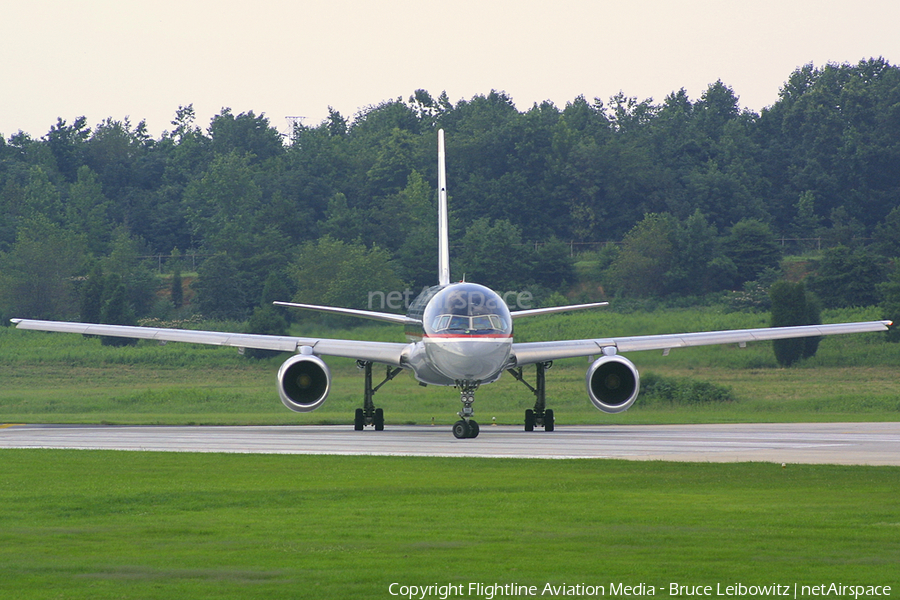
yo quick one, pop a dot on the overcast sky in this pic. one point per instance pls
(118, 58)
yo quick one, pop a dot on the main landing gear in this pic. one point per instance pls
(466, 427)
(540, 415)
(368, 414)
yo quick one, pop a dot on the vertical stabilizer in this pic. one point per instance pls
(443, 219)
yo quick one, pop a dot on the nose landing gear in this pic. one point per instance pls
(466, 427)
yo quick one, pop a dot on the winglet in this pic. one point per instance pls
(443, 219)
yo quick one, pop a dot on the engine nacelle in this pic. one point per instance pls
(303, 382)
(613, 383)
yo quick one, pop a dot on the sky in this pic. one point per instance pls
(143, 59)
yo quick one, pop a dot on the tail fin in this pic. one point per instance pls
(443, 219)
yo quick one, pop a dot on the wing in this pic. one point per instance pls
(380, 352)
(534, 352)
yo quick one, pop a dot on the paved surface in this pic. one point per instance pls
(834, 443)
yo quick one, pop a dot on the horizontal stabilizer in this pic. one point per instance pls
(354, 312)
(554, 309)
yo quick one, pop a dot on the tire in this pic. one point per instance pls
(359, 420)
(549, 420)
(379, 419)
(460, 430)
(529, 420)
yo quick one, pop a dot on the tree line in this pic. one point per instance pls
(695, 193)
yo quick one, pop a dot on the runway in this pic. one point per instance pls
(811, 443)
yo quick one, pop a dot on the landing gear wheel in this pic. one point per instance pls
(461, 429)
(529, 420)
(473, 429)
(538, 416)
(368, 414)
(549, 421)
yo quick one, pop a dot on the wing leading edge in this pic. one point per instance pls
(381, 352)
(535, 352)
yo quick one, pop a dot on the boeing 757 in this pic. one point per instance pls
(458, 335)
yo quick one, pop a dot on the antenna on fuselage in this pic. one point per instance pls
(443, 219)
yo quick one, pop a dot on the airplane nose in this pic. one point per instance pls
(474, 360)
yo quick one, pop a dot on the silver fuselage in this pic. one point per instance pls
(466, 335)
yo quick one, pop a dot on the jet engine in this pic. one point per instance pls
(613, 383)
(303, 382)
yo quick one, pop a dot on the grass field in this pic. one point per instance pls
(97, 525)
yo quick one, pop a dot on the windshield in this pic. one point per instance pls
(468, 324)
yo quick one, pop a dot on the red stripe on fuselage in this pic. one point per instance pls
(466, 336)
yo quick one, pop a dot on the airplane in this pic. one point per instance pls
(458, 335)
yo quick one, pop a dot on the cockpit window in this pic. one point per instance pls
(497, 322)
(461, 323)
(481, 323)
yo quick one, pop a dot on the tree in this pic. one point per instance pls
(37, 274)
(393, 165)
(66, 143)
(245, 134)
(277, 288)
(127, 260)
(489, 251)
(887, 234)
(265, 320)
(890, 303)
(645, 257)
(87, 210)
(225, 195)
(341, 222)
(221, 292)
(177, 288)
(807, 223)
(698, 265)
(792, 305)
(752, 248)
(42, 198)
(553, 267)
(845, 277)
(336, 273)
(116, 310)
(92, 295)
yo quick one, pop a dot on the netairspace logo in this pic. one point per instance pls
(397, 300)
(490, 591)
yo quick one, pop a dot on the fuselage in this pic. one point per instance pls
(465, 335)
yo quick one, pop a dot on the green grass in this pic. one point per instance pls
(70, 379)
(98, 525)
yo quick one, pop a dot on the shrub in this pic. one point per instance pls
(677, 390)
